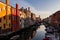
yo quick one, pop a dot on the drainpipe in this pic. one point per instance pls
(6, 12)
(11, 20)
(17, 16)
(6, 9)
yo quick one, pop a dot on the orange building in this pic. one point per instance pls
(15, 18)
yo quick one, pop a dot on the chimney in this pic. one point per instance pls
(6, 11)
(17, 19)
(22, 8)
(7, 2)
(16, 8)
(28, 8)
(25, 10)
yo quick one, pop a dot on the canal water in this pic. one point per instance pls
(40, 34)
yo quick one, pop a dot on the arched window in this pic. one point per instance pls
(4, 26)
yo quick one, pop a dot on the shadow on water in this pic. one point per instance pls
(40, 34)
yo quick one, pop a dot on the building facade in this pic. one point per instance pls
(55, 18)
(5, 22)
(9, 18)
(12, 19)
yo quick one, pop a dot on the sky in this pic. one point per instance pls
(44, 8)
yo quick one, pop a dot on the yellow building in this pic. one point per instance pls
(5, 17)
(22, 13)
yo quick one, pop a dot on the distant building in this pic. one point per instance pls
(33, 16)
(22, 13)
(29, 12)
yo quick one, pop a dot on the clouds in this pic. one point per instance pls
(44, 14)
(25, 4)
(40, 7)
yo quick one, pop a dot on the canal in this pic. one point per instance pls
(40, 34)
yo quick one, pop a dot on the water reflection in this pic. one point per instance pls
(33, 35)
(40, 33)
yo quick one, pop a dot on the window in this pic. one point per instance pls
(0, 28)
(13, 17)
(13, 25)
(4, 25)
(0, 19)
(20, 14)
(4, 17)
(59, 19)
(9, 17)
(9, 25)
